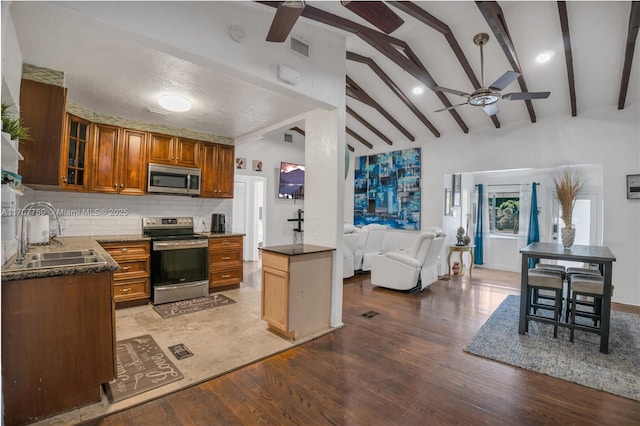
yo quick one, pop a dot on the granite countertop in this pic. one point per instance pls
(64, 244)
(296, 249)
(221, 234)
(120, 238)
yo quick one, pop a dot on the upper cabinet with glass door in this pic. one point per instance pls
(74, 162)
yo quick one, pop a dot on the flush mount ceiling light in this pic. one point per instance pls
(418, 90)
(174, 103)
(544, 57)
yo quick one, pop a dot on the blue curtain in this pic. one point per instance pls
(477, 251)
(534, 228)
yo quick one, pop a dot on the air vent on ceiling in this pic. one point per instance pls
(299, 47)
(156, 111)
(288, 138)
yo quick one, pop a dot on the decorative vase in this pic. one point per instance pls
(568, 236)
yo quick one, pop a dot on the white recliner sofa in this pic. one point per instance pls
(372, 244)
(413, 268)
(353, 249)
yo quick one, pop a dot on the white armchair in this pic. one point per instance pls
(352, 237)
(409, 269)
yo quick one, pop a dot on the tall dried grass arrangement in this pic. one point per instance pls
(568, 186)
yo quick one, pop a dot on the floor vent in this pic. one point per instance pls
(299, 47)
(370, 314)
(180, 351)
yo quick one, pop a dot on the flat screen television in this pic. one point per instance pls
(291, 181)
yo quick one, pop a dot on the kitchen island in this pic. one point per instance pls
(58, 334)
(296, 288)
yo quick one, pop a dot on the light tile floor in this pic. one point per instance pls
(221, 339)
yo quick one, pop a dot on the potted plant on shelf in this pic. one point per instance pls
(568, 187)
(13, 126)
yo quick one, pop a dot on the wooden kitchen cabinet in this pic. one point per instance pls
(225, 261)
(58, 344)
(218, 167)
(131, 283)
(164, 149)
(43, 112)
(296, 289)
(119, 160)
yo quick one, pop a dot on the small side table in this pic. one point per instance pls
(461, 250)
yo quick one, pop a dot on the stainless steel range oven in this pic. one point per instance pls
(179, 259)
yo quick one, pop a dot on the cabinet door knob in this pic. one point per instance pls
(226, 258)
(115, 185)
(125, 290)
(124, 249)
(226, 276)
(64, 179)
(126, 268)
(122, 185)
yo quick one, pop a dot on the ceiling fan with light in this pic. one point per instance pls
(487, 97)
(376, 13)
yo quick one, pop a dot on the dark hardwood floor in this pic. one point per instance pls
(404, 366)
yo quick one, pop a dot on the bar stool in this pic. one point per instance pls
(555, 268)
(571, 271)
(588, 285)
(539, 279)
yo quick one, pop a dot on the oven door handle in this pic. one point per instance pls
(180, 245)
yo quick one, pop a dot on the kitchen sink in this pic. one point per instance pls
(58, 260)
(61, 255)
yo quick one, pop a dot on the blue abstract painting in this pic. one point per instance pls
(387, 189)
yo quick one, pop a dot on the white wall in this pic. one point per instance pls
(272, 149)
(604, 136)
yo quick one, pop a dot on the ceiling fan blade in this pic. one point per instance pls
(452, 91)
(448, 108)
(526, 96)
(286, 16)
(504, 80)
(377, 13)
(491, 109)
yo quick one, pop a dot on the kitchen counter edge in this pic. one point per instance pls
(296, 249)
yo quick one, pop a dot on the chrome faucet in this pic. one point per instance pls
(22, 243)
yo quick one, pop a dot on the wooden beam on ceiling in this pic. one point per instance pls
(568, 55)
(368, 125)
(394, 88)
(632, 35)
(426, 18)
(385, 44)
(493, 15)
(299, 130)
(356, 92)
(359, 138)
(352, 149)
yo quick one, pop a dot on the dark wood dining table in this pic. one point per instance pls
(588, 254)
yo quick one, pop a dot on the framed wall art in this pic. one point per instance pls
(457, 190)
(387, 189)
(633, 187)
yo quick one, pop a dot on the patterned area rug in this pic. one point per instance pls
(142, 366)
(617, 372)
(168, 310)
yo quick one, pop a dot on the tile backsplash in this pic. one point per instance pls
(108, 214)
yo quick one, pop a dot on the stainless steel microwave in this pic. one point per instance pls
(173, 180)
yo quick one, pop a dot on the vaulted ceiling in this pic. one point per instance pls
(593, 47)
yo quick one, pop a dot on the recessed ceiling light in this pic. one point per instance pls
(544, 57)
(418, 90)
(174, 103)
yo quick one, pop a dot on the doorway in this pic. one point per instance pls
(249, 213)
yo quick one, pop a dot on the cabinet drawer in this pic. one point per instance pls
(219, 243)
(124, 250)
(275, 261)
(132, 267)
(224, 258)
(131, 289)
(225, 277)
